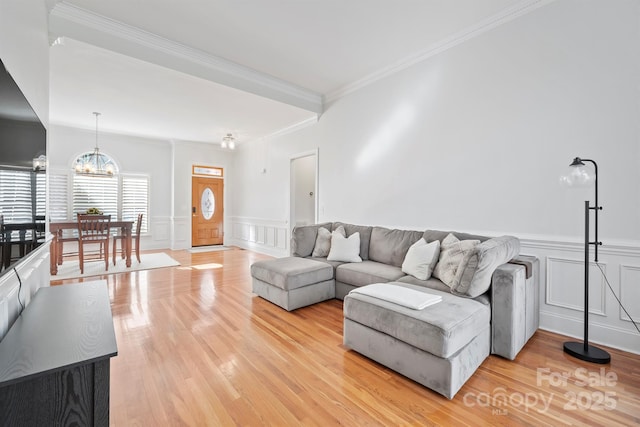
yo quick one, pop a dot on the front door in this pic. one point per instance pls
(207, 209)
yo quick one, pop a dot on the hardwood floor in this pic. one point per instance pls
(196, 347)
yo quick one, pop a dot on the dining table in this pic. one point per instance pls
(57, 229)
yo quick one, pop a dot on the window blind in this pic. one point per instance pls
(59, 197)
(95, 192)
(135, 199)
(15, 196)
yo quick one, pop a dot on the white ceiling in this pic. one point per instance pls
(318, 46)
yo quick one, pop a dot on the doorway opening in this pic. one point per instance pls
(303, 200)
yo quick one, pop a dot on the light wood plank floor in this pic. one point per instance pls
(196, 347)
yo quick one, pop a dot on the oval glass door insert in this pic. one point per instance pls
(207, 203)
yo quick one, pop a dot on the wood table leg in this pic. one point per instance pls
(128, 245)
(53, 261)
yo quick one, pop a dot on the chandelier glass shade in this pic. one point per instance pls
(95, 163)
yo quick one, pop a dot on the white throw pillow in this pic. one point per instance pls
(345, 249)
(323, 243)
(452, 255)
(421, 258)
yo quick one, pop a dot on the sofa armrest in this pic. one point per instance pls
(515, 309)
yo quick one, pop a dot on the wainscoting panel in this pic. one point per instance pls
(18, 286)
(630, 291)
(562, 290)
(266, 236)
(270, 233)
(565, 281)
(181, 238)
(282, 238)
(160, 228)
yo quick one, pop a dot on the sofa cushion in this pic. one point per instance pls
(431, 283)
(323, 243)
(488, 255)
(367, 272)
(365, 236)
(454, 258)
(333, 264)
(303, 239)
(421, 258)
(431, 235)
(440, 329)
(390, 246)
(345, 249)
(291, 272)
(436, 284)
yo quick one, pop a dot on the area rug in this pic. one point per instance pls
(71, 268)
(208, 249)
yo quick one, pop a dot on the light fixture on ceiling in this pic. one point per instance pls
(228, 142)
(95, 163)
(40, 163)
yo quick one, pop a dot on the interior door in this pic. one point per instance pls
(303, 197)
(207, 208)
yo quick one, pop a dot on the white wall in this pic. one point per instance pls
(474, 140)
(24, 49)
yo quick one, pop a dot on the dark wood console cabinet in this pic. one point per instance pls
(54, 361)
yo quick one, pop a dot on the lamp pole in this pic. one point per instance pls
(584, 351)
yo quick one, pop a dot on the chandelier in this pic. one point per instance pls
(95, 163)
(228, 142)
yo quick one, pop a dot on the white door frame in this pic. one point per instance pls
(314, 152)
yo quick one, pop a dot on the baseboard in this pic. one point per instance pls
(599, 333)
(256, 247)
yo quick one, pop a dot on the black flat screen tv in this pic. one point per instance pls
(23, 138)
(22, 134)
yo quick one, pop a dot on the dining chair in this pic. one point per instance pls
(2, 248)
(94, 229)
(135, 239)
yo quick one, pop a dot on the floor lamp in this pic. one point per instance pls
(580, 176)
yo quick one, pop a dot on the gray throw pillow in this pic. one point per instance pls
(454, 254)
(484, 260)
(323, 243)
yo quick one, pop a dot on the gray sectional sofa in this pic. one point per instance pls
(492, 308)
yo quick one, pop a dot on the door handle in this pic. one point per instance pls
(193, 210)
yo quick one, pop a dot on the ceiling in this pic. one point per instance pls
(194, 70)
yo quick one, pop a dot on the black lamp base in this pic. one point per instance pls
(592, 354)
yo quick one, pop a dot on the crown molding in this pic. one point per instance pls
(224, 71)
(468, 33)
(284, 131)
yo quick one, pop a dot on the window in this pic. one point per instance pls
(135, 199)
(18, 203)
(122, 196)
(95, 192)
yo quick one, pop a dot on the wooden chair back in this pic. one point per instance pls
(93, 228)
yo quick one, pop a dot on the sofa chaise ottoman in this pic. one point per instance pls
(490, 308)
(293, 282)
(440, 346)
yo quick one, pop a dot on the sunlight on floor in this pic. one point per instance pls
(210, 266)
